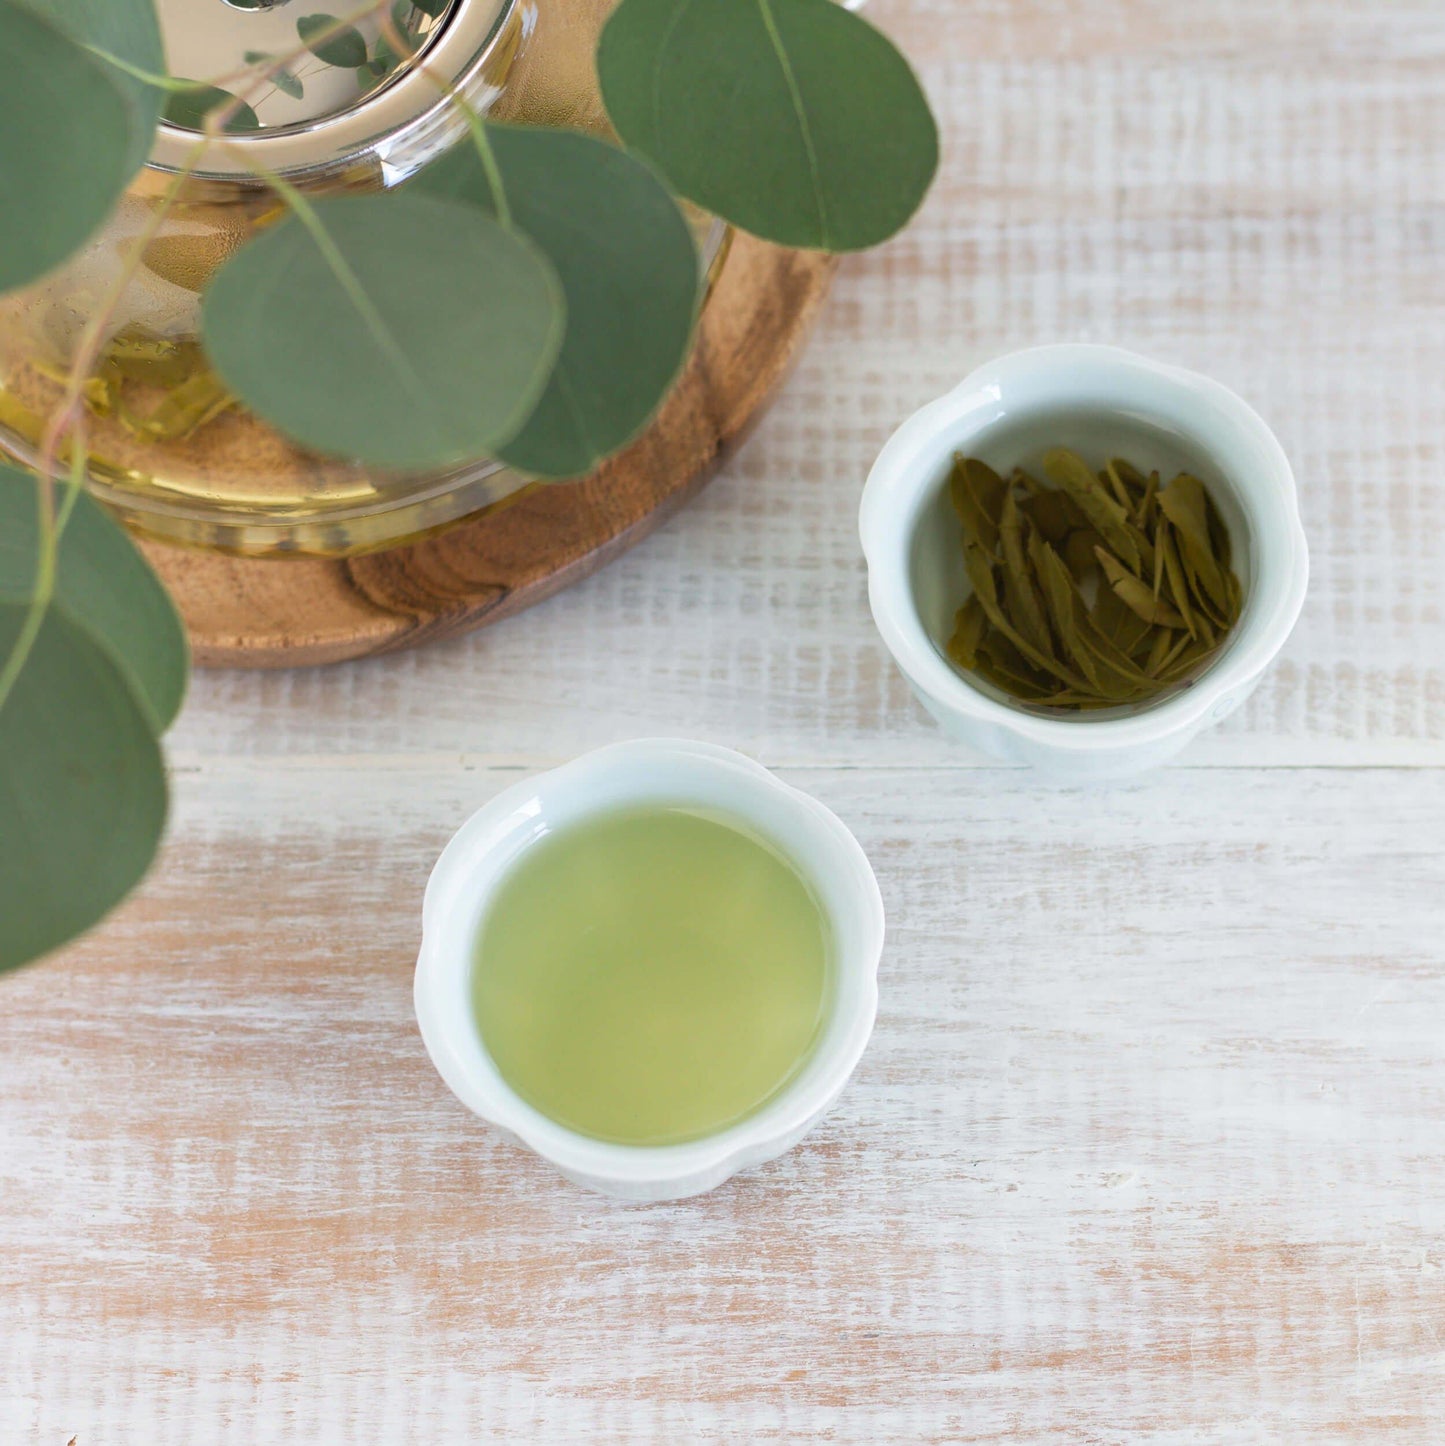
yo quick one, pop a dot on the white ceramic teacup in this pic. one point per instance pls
(1102, 402)
(650, 771)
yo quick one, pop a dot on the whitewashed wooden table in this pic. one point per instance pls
(1150, 1142)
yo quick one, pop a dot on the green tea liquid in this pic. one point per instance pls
(650, 977)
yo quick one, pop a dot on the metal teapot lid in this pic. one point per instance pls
(343, 91)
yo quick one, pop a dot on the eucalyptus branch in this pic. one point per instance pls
(67, 419)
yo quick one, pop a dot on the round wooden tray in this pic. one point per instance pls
(293, 612)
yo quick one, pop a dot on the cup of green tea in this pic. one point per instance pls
(654, 966)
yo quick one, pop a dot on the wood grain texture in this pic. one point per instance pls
(1146, 1148)
(1150, 1144)
(260, 613)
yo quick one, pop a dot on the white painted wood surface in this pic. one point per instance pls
(1150, 1143)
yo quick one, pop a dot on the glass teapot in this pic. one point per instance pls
(170, 451)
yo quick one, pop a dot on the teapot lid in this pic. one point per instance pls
(339, 87)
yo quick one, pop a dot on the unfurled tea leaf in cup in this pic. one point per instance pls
(1025, 605)
(1135, 594)
(1084, 596)
(980, 574)
(1053, 512)
(1185, 504)
(1069, 471)
(968, 631)
(977, 493)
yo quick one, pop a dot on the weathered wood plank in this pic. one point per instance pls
(1147, 1146)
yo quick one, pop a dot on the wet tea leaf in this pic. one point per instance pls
(1074, 475)
(977, 494)
(1134, 594)
(968, 631)
(1183, 503)
(1025, 607)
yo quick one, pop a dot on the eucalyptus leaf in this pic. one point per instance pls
(283, 80)
(400, 329)
(189, 109)
(629, 267)
(793, 119)
(127, 31)
(82, 788)
(103, 586)
(67, 136)
(343, 47)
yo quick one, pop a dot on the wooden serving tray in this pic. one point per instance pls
(295, 612)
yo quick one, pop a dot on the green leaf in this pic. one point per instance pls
(189, 109)
(344, 48)
(103, 586)
(794, 119)
(400, 329)
(283, 80)
(129, 31)
(1107, 516)
(628, 264)
(82, 789)
(66, 137)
